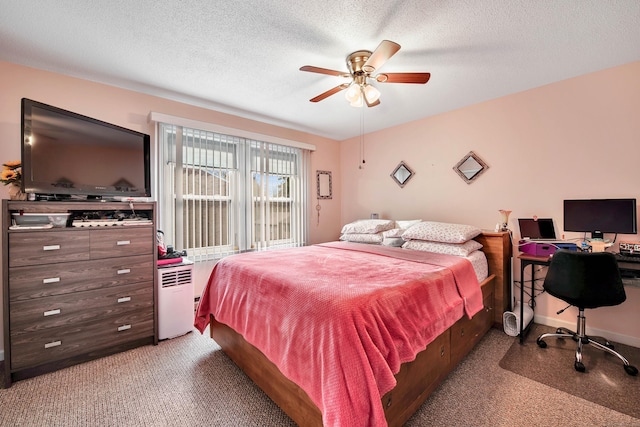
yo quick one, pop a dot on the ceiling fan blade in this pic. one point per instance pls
(329, 92)
(312, 69)
(372, 104)
(385, 50)
(418, 78)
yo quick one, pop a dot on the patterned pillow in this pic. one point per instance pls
(368, 226)
(441, 232)
(458, 249)
(362, 238)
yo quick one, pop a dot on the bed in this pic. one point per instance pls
(366, 374)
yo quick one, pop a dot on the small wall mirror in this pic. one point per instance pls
(323, 184)
(470, 167)
(402, 174)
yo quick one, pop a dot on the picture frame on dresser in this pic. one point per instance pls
(73, 294)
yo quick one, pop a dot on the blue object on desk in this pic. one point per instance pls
(567, 246)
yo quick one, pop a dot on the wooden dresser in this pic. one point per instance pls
(73, 294)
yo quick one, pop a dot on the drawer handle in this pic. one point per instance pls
(462, 332)
(51, 280)
(123, 328)
(442, 351)
(124, 271)
(52, 344)
(51, 247)
(123, 242)
(52, 312)
(124, 299)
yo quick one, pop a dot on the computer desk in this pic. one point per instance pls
(533, 260)
(525, 261)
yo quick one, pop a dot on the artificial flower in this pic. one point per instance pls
(11, 173)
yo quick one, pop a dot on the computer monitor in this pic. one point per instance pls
(599, 216)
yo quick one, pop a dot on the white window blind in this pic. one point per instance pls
(223, 194)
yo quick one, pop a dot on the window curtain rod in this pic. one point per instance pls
(212, 127)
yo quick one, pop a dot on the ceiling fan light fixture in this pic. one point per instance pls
(371, 93)
(353, 93)
(357, 103)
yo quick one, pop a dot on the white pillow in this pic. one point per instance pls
(393, 241)
(368, 226)
(441, 232)
(458, 249)
(408, 223)
(401, 226)
(362, 238)
(394, 232)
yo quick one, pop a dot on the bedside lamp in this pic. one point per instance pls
(504, 219)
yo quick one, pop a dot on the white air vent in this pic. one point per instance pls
(175, 277)
(175, 300)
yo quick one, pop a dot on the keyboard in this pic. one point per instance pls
(628, 258)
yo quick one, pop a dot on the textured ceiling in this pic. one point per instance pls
(243, 57)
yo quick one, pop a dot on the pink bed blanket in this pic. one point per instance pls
(339, 319)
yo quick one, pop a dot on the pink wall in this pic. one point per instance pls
(130, 110)
(579, 138)
(576, 138)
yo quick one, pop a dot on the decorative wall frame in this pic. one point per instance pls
(470, 167)
(323, 184)
(402, 174)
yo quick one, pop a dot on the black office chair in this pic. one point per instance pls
(585, 280)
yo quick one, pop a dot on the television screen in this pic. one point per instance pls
(601, 216)
(68, 154)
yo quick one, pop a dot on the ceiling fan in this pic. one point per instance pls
(362, 65)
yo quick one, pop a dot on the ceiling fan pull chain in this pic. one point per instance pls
(362, 137)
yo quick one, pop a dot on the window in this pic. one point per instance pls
(223, 194)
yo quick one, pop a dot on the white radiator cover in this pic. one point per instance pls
(175, 301)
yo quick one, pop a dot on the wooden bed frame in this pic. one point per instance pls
(417, 379)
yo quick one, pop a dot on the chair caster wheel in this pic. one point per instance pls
(580, 366)
(609, 345)
(558, 331)
(631, 370)
(541, 343)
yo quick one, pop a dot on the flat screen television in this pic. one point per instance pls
(65, 154)
(599, 216)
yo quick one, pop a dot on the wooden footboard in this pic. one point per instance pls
(415, 380)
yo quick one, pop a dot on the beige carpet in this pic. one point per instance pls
(605, 381)
(188, 381)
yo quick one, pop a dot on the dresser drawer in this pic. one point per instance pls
(47, 280)
(122, 241)
(29, 350)
(44, 247)
(66, 310)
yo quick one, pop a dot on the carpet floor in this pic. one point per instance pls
(189, 381)
(605, 381)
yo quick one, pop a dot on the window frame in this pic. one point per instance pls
(241, 218)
